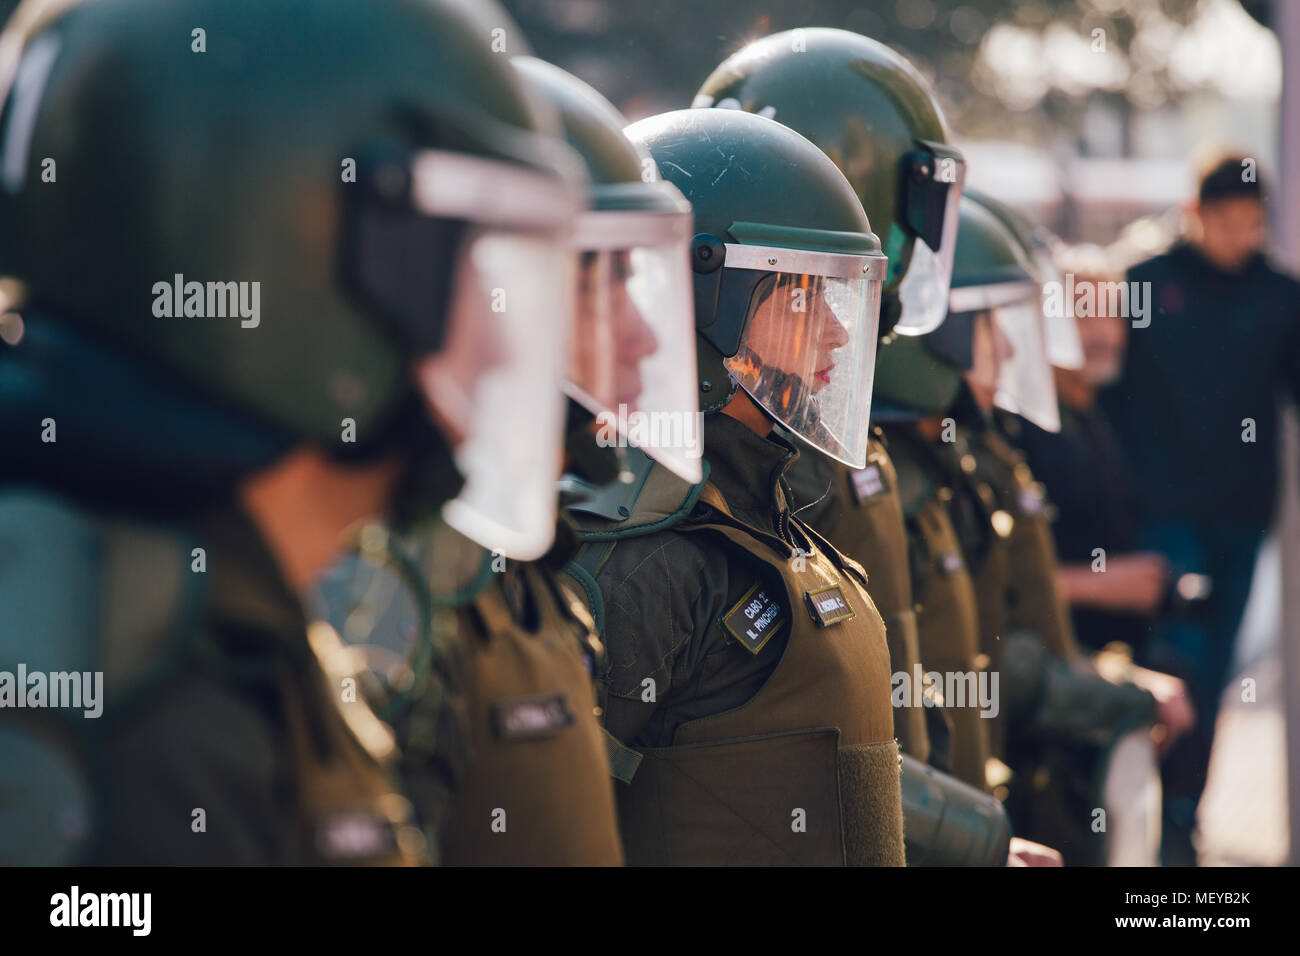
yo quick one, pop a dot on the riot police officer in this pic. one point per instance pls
(871, 112)
(748, 681)
(245, 251)
(538, 789)
(991, 352)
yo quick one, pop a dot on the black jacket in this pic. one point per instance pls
(1218, 350)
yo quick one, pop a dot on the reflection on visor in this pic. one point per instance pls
(496, 388)
(808, 358)
(1025, 384)
(923, 293)
(633, 363)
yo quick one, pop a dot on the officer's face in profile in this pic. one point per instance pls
(1231, 230)
(795, 330)
(611, 338)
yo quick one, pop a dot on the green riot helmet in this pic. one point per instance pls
(788, 274)
(875, 116)
(994, 281)
(992, 287)
(1064, 347)
(315, 213)
(634, 331)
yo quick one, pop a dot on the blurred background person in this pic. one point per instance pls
(1090, 481)
(1195, 412)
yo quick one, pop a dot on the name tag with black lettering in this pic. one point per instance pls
(829, 606)
(530, 718)
(755, 618)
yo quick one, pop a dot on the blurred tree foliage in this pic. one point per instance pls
(650, 55)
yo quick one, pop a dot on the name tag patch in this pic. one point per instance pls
(755, 618)
(829, 606)
(1030, 500)
(530, 718)
(951, 562)
(868, 482)
(354, 835)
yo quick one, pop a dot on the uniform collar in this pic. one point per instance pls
(1194, 260)
(747, 468)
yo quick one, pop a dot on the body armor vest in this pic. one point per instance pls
(983, 532)
(537, 789)
(134, 608)
(1034, 601)
(807, 771)
(947, 612)
(869, 527)
(1058, 783)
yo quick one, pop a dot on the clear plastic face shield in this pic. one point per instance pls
(633, 362)
(1025, 385)
(932, 194)
(495, 386)
(1064, 345)
(808, 351)
(1009, 351)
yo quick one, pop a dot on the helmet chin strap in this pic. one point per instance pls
(431, 478)
(891, 310)
(748, 412)
(793, 389)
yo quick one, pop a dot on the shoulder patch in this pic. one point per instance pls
(755, 618)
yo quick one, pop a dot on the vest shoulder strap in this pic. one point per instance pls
(582, 570)
(623, 760)
(654, 500)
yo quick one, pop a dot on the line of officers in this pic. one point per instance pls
(344, 611)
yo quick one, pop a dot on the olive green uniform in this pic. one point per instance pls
(748, 680)
(946, 822)
(232, 730)
(859, 511)
(221, 740)
(947, 612)
(1061, 716)
(982, 529)
(1034, 602)
(536, 789)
